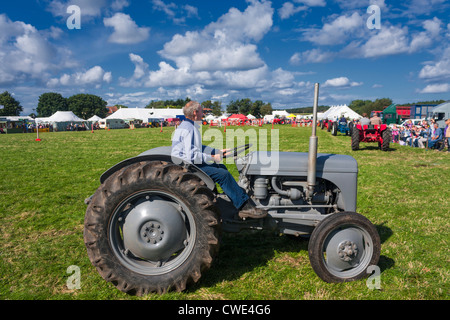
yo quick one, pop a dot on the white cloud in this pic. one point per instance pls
(295, 59)
(240, 57)
(311, 56)
(312, 3)
(439, 69)
(223, 54)
(341, 82)
(177, 14)
(26, 53)
(94, 76)
(390, 40)
(288, 9)
(119, 4)
(126, 31)
(336, 31)
(140, 71)
(89, 8)
(221, 61)
(436, 88)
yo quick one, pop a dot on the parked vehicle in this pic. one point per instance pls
(440, 113)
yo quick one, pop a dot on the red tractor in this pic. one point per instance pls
(371, 133)
(326, 124)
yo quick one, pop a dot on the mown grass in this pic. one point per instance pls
(404, 192)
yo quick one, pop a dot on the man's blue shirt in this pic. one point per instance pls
(187, 144)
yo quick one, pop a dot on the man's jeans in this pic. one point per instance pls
(431, 143)
(220, 174)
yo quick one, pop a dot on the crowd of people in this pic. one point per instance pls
(427, 135)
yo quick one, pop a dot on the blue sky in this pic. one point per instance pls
(131, 52)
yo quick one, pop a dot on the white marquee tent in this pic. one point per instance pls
(94, 118)
(64, 116)
(335, 112)
(145, 114)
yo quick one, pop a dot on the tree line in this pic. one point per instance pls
(82, 105)
(87, 105)
(246, 106)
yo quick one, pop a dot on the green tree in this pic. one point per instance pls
(217, 108)
(244, 106)
(233, 107)
(207, 104)
(367, 106)
(266, 109)
(155, 104)
(173, 104)
(51, 102)
(87, 105)
(255, 109)
(11, 107)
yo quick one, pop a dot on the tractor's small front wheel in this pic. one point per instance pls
(343, 246)
(151, 227)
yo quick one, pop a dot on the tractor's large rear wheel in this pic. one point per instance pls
(151, 227)
(334, 128)
(387, 137)
(355, 139)
(343, 246)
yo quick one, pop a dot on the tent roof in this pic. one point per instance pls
(337, 111)
(391, 109)
(144, 114)
(64, 116)
(442, 107)
(94, 118)
(237, 116)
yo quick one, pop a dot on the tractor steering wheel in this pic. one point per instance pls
(235, 151)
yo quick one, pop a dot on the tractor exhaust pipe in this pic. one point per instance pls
(312, 155)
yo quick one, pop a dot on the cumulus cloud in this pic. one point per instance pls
(288, 9)
(89, 8)
(437, 72)
(176, 13)
(337, 31)
(218, 61)
(94, 76)
(140, 71)
(341, 82)
(311, 56)
(126, 31)
(27, 52)
(223, 54)
(436, 88)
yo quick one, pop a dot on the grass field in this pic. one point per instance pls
(404, 192)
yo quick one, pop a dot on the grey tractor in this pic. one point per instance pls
(153, 224)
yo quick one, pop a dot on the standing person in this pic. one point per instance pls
(187, 145)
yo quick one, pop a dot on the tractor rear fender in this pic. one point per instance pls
(159, 154)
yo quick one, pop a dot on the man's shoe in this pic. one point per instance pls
(250, 211)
